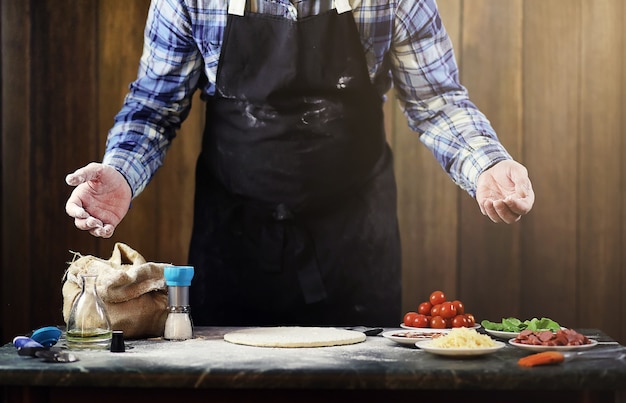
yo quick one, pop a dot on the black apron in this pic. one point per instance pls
(295, 207)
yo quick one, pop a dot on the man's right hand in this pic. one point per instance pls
(100, 200)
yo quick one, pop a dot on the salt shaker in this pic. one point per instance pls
(178, 325)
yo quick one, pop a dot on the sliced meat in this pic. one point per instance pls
(563, 337)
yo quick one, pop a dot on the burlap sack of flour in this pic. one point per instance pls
(133, 290)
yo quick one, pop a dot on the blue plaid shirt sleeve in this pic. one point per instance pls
(159, 99)
(437, 106)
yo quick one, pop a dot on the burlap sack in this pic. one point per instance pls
(133, 290)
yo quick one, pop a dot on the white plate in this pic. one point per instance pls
(459, 352)
(502, 334)
(394, 336)
(552, 348)
(431, 330)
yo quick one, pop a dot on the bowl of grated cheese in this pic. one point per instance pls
(461, 341)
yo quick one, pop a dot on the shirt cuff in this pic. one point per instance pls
(130, 166)
(477, 161)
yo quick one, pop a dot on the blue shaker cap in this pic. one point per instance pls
(47, 336)
(178, 276)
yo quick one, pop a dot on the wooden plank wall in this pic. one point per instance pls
(550, 75)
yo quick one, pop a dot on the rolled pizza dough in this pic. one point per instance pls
(294, 336)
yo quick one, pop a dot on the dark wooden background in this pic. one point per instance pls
(550, 75)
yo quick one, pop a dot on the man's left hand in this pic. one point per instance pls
(504, 192)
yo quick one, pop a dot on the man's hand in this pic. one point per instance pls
(100, 200)
(504, 192)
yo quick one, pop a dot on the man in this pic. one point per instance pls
(295, 206)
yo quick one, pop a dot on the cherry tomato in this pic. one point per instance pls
(460, 307)
(435, 310)
(437, 322)
(447, 310)
(437, 297)
(459, 321)
(424, 308)
(471, 321)
(420, 321)
(408, 318)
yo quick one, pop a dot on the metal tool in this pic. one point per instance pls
(368, 331)
(616, 353)
(56, 355)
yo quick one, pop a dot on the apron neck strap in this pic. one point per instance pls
(342, 6)
(237, 7)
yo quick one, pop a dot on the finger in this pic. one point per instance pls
(520, 205)
(490, 211)
(75, 210)
(522, 201)
(105, 231)
(108, 230)
(505, 213)
(74, 179)
(523, 189)
(482, 208)
(88, 224)
(82, 175)
(96, 232)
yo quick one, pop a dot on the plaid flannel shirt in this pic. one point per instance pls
(405, 44)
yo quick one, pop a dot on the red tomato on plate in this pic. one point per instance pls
(471, 321)
(437, 297)
(437, 322)
(409, 317)
(420, 321)
(459, 321)
(424, 308)
(460, 307)
(447, 310)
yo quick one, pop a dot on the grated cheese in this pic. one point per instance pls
(462, 337)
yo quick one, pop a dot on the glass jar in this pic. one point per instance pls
(88, 326)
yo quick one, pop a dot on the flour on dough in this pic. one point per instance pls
(294, 336)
